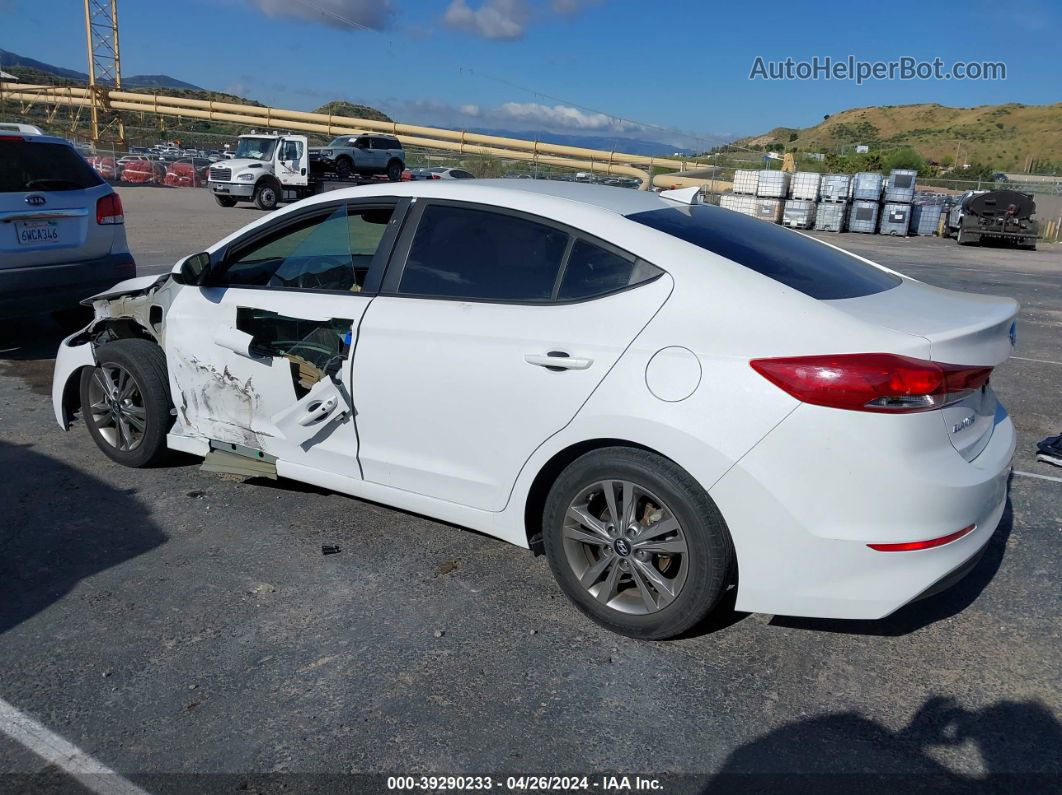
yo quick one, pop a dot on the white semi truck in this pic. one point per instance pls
(267, 169)
(270, 168)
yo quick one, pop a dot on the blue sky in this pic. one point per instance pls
(654, 69)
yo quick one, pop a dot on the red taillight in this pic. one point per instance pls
(434, 176)
(109, 210)
(11, 138)
(882, 382)
(911, 546)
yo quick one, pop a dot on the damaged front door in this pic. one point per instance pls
(260, 354)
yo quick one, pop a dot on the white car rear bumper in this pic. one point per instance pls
(804, 504)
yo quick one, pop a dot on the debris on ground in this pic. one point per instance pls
(1050, 450)
(447, 566)
(439, 633)
(330, 549)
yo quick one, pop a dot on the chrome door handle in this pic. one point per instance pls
(557, 360)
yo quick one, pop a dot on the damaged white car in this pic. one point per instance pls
(660, 394)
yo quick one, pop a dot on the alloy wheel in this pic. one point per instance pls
(625, 547)
(117, 407)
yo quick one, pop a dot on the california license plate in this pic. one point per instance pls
(33, 233)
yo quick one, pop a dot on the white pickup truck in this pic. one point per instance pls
(267, 169)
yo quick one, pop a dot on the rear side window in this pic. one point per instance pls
(460, 252)
(27, 166)
(793, 259)
(593, 270)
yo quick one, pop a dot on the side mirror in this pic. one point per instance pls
(191, 269)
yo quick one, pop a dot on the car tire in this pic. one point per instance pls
(125, 402)
(225, 201)
(394, 171)
(267, 195)
(658, 584)
(344, 168)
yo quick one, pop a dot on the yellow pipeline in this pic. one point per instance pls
(609, 162)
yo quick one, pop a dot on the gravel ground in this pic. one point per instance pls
(185, 630)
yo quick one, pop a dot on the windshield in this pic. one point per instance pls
(256, 148)
(341, 141)
(794, 259)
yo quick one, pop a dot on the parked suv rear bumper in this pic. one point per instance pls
(44, 288)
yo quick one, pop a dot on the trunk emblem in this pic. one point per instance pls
(35, 200)
(966, 422)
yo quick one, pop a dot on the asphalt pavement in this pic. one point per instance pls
(185, 630)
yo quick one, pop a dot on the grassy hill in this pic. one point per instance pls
(1005, 137)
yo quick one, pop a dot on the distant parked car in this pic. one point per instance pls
(62, 233)
(188, 173)
(144, 172)
(441, 172)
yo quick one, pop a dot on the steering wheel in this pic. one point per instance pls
(312, 280)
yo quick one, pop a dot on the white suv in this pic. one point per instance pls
(62, 233)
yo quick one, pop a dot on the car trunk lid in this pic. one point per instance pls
(961, 328)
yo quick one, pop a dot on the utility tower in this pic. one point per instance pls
(104, 69)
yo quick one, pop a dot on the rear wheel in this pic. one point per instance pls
(125, 401)
(344, 168)
(225, 201)
(636, 543)
(394, 171)
(266, 195)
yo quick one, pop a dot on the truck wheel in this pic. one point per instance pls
(344, 168)
(394, 171)
(125, 401)
(225, 201)
(266, 196)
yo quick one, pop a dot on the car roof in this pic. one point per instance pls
(624, 201)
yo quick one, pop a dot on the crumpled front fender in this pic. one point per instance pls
(68, 363)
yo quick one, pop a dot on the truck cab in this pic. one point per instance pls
(266, 168)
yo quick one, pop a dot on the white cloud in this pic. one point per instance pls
(494, 19)
(343, 14)
(572, 6)
(563, 116)
(469, 110)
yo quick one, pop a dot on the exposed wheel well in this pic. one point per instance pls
(102, 332)
(540, 486)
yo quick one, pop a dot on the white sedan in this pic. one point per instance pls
(660, 395)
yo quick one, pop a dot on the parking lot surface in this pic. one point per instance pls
(177, 625)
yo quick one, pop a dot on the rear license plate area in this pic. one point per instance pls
(36, 233)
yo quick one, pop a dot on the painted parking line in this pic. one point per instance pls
(64, 755)
(1038, 361)
(1037, 476)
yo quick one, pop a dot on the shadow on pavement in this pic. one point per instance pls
(1019, 745)
(921, 613)
(59, 527)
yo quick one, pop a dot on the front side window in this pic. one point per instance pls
(292, 150)
(593, 270)
(462, 252)
(332, 251)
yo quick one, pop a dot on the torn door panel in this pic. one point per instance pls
(313, 348)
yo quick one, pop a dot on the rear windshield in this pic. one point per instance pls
(786, 256)
(27, 166)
